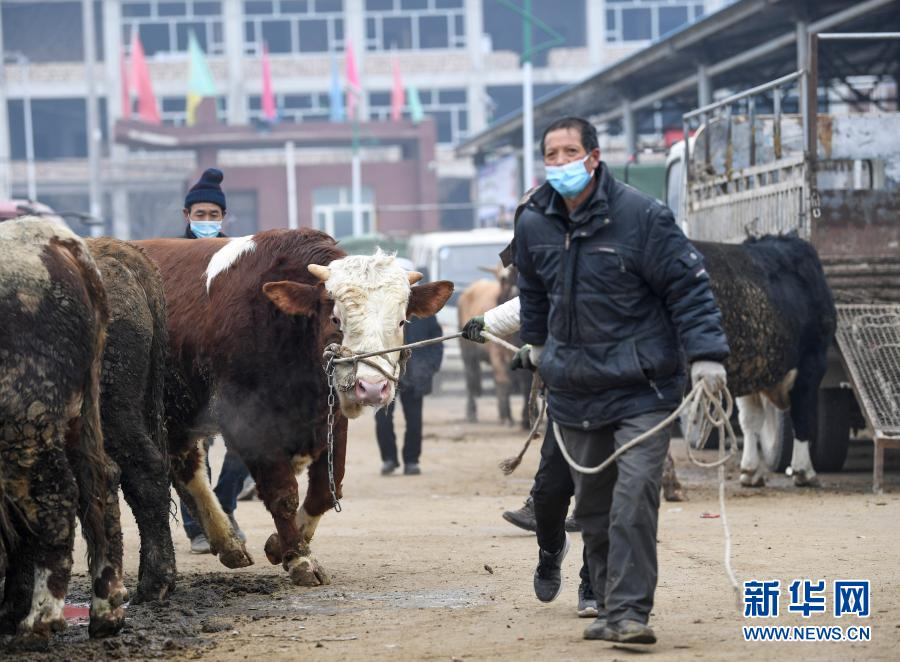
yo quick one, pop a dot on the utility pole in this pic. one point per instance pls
(527, 100)
(5, 155)
(93, 116)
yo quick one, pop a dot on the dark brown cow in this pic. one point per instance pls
(54, 312)
(249, 319)
(131, 403)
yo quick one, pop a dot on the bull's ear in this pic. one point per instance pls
(426, 300)
(294, 298)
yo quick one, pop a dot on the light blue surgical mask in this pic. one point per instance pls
(569, 180)
(206, 229)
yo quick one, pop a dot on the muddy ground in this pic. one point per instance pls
(423, 567)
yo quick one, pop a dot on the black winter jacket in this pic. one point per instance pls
(609, 292)
(424, 361)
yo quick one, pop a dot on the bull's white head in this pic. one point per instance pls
(373, 297)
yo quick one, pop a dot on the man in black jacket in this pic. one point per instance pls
(415, 384)
(204, 212)
(611, 290)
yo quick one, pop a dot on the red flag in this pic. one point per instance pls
(126, 88)
(268, 97)
(354, 89)
(398, 94)
(140, 75)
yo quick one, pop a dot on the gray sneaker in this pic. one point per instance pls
(596, 629)
(628, 632)
(234, 525)
(388, 467)
(548, 581)
(200, 545)
(587, 601)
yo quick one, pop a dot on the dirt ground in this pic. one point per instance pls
(423, 567)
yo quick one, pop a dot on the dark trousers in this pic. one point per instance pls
(412, 440)
(618, 510)
(552, 490)
(231, 480)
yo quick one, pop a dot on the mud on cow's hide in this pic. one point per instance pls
(52, 464)
(249, 319)
(131, 403)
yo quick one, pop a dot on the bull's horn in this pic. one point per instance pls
(414, 277)
(320, 272)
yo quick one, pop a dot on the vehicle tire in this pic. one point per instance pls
(779, 458)
(829, 448)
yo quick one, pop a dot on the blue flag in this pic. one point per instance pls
(336, 94)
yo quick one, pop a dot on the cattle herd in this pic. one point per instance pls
(117, 358)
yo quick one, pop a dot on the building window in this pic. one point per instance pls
(307, 107)
(173, 110)
(164, 26)
(294, 26)
(646, 20)
(415, 24)
(447, 107)
(333, 211)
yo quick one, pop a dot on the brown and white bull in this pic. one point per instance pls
(53, 320)
(249, 319)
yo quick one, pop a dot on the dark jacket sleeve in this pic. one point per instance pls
(535, 304)
(675, 271)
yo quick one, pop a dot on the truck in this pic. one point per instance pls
(746, 168)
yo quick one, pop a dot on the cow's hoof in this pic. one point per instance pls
(236, 557)
(674, 495)
(306, 571)
(802, 479)
(154, 589)
(107, 624)
(273, 549)
(756, 479)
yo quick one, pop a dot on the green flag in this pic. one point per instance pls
(201, 83)
(415, 104)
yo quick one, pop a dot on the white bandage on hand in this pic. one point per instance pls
(534, 354)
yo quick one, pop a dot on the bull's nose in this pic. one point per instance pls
(371, 393)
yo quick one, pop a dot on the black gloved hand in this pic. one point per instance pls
(473, 328)
(522, 360)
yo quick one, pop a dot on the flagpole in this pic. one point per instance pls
(527, 101)
(93, 119)
(290, 166)
(356, 179)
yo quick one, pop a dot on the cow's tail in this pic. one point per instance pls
(92, 463)
(8, 536)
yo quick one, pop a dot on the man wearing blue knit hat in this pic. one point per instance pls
(204, 211)
(204, 206)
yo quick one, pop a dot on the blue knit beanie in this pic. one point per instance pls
(207, 189)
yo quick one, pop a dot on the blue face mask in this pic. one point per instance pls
(206, 229)
(569, 180)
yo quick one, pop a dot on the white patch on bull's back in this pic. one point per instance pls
(226, 256)
(44, 607)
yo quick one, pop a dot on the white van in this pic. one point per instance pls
(457, 256)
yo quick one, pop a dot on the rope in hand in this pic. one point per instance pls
(713, 414)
